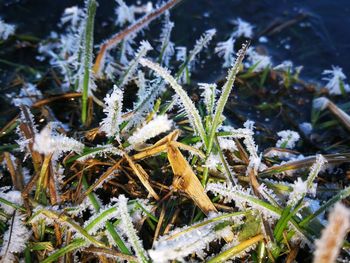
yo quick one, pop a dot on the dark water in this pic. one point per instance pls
(320, 40)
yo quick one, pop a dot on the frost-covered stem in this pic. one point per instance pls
(226, 255)
(130, 30)
(341, 195)
(40, 185)
(226, 90)
(185, 99)
(130, 231)
(109, 226)
(223, 161)
(89, 34)
(67, 220)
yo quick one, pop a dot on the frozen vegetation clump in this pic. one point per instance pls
(125, 163)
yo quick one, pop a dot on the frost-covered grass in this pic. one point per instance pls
(125, 164)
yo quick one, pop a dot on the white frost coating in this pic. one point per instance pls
(201, 43)
(320, 103)
(331, 241)
(287, 139)
(11, 196)
(72, 15)
(227, 144)
(212, 161)
(241, 197)
(244, 28)
(187, 240)
(111, 212)
(192, 112)
(102, 150)
(225, 49)
(158, 125)
(209, 96)
(28, 95)
(167, 47)
(258, 61)
(145, 46)
(114, 104)
(335, 80)
(129, 230)
(301, 188)
(124, 13)
(47, 142)
(6, 30)
(15, 239)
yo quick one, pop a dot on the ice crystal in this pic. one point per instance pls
(27, 96)
(125, 13)
(114, 104)
(6, 30)
(166, 47)
(186, 101)
(335, 80)
(209, 96)
(287, 139)
(129, 230)
(225, 49)
(13, 196)
(212, 161)
(331, 241)
(320, 103)
(301, 188)
(227, 144)
(187, 240)
(131, 68)
(244, 28)
(47, 142)
(72, 15)
(15, 238)
(158, 125)
(241, 197)
(102, 151)
(258, 61)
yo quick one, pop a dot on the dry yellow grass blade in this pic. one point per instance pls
(142, 175)
(185, 180)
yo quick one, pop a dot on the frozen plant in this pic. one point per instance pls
(158, 125)
(335, 79)
(15, 238)
(27, 96)
(301, 188)
(287, 139)
(181, 242)
(50, 142)
(167, 49)
(243, 28)
(125, 13)
(132, 66)
(114, 105)
(257, 61)
(225, 49)
(6, 30)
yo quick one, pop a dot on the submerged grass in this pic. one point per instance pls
(163, 175)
